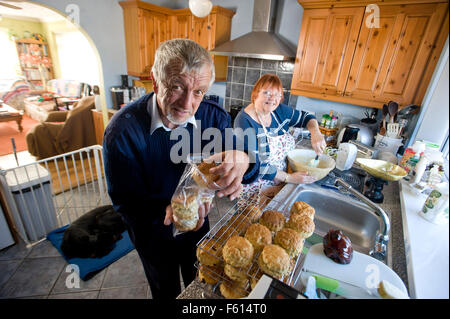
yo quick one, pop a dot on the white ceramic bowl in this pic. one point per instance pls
(299, 159)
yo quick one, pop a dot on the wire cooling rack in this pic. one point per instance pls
(229, 225)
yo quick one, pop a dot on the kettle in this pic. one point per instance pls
(356, 132)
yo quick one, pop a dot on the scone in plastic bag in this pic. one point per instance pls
(191, 192)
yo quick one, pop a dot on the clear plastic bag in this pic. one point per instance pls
(192, 192)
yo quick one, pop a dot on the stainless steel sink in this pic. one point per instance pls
(334, 210)
(357, 221)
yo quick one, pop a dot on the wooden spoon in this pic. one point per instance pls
(392, 109)
(383, 126)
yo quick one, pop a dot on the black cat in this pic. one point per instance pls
(94, 234)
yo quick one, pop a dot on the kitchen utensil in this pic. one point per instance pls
(392, 130)
(382, 169)
(384, 113)
(346, 155)
(339, 287)
(392, 109)
(360, 133)
(314, 162)
(300, 158)
(363, 271)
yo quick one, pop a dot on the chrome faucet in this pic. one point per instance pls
(382, 237)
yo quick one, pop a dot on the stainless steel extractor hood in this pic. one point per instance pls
(261, 43)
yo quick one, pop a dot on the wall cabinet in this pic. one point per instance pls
(147, 25)
(342, 56)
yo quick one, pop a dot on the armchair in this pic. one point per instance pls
(63, 131)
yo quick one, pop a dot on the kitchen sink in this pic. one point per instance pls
(334, 210)
(357, 221)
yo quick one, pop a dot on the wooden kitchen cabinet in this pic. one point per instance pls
(147, 25)
(99, 127)
(325, 50)
(394, 61)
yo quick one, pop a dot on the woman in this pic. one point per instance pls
(269, 123)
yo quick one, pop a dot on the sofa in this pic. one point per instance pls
(63, 131)
(59, 94)
(13, 92)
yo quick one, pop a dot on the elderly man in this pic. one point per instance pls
(141, 175)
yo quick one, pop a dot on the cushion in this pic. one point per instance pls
(90, 266)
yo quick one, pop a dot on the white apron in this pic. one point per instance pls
(279, 146)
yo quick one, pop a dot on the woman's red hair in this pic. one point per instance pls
(267, 80)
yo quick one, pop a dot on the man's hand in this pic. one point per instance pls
(231, 170)
(203, 211)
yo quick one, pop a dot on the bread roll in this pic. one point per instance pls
(238, 252)
(273, 220)
(302, 224)
(252, 212)
(209, 252)
(185, 211)
(302, 208)
(237, 274)
(274, 261)
(259, 235)
(233, 289)
(202, 176)
(210, 274)
(289, 240)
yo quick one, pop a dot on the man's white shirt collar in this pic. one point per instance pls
(157, 121)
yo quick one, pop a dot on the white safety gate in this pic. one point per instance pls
(53, 192)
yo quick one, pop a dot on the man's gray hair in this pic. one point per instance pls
(183, 52)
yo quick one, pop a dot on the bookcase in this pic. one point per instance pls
(35, 61)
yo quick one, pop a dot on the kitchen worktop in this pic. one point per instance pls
(396, 247)
(427, 247)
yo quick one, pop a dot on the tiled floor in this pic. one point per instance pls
(41, 272)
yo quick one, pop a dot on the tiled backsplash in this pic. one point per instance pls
(243, 74)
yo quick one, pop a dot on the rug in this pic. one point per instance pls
(9, 130)
(90, 266)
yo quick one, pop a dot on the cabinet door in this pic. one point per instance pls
(146, 42)
(201, 31)
(325, 50)
(181, 26)
(390, 61)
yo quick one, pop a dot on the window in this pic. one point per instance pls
(9, 61)
(77, 59)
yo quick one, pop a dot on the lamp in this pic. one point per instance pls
(200, 8)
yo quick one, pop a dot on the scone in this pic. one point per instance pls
(202, 176)
(210, 274)
(273, 220)
(238, 252)
(185, 211)
(252, 212)
(233, 289)
(302, 224)
(302, 208)
(259, 235)
(289, 240)
(274, 261)
(237, 274)
(209, 252)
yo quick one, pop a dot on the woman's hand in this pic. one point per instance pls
(317, 141)
(300, 178)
